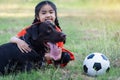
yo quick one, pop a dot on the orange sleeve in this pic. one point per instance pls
(58, 29)
(22, 32)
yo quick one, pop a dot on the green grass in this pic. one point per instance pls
(89, 28)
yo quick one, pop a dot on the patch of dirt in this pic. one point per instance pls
(116, 36)
(116, 63)
(85, 77)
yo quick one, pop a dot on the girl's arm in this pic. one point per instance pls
(22, 45)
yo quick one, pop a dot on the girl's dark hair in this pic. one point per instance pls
(38, 8)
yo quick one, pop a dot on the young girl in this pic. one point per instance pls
(45, 11)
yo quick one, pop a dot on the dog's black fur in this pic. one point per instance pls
(12, 59)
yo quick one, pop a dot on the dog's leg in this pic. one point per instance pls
(26, 66)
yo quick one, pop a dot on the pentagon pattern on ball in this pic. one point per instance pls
(104, 57)
(97, 66)
(85, 68)
(108, 69)
(90, 56)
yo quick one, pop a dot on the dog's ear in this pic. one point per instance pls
(33, 31)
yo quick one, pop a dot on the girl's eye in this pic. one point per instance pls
(43, 13)
(51, 12)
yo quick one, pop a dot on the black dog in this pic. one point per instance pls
(12, 59)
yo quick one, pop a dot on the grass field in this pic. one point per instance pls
(90, 25)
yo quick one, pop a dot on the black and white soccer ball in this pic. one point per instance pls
(96, 64)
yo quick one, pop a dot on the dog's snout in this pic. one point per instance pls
(63, 35)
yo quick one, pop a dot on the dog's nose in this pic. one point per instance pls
(63, 35)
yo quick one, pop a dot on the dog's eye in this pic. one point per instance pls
(49, 30)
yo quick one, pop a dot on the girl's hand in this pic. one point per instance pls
(22, 45)
(47, 56)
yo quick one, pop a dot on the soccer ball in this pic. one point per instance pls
(96, 64)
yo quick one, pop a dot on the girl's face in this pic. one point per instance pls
(46, 14)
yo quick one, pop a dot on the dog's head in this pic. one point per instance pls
(45, 32)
